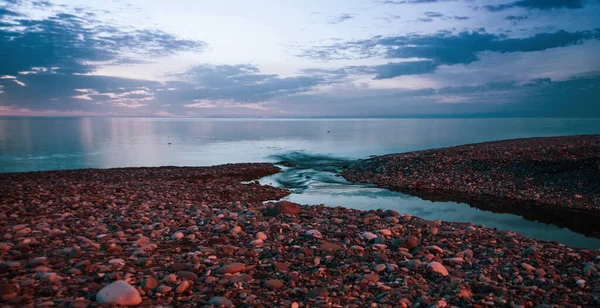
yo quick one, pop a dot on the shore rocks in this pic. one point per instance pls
(119, 293)
(121, 240)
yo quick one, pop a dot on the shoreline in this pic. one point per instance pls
(551, 179)
(197, 236)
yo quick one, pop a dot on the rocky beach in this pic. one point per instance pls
(183, 236)
(554, 180)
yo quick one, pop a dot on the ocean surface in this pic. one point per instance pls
(319, 146)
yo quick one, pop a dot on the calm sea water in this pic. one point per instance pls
(318, 145)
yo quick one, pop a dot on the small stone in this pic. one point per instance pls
(220, 301)
(48, 277)
(437, 268)
(182, 287)
(257, 243)
(261, 236)
(314, 233)
(368, 236)
(273, 284)
(119, 293)
(187, 275)
(531, 250)
(163, 289)
(527, 267)
(380, 267)
(232, 268)
(177, 236)
(580, 283)
(39, 261)
(150, 283)
(330, 246)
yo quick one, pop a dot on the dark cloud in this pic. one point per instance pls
(445, 48)
(4, 12)
(238, 82)
(67, 41)
(515, 19)
(431, 16)
(341, 18)
(537, 4)
(391, 70)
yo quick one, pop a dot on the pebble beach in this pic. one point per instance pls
(205, 237)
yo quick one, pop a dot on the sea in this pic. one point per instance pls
(319, 148)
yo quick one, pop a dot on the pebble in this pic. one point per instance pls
(437, 268)
(177, 236)
(274, 284)
(368, 236)
(184, 285)
(286, 207)
(314, 233)
(124, 234)
(232, 268)
(220, 301)
(119, 293)
(261, 236)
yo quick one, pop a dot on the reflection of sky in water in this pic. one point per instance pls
(30, 144)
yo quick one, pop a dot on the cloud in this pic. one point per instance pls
(431, 16)
(72, 44)
(341, 19)
(515, 19)
(444, 48)
(224, 103)
(122, 97)
(239, 82)
(395, 69)
(536, 4)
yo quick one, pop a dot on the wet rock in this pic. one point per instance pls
(119, 293)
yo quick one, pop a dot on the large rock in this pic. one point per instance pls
(286, 207)
(119, 293)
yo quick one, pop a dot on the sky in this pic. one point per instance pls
(280, 58)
